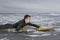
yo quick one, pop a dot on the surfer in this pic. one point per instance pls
(20, 24)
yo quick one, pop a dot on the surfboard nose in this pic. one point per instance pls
(45, 29)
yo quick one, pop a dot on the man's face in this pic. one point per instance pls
(27, 20)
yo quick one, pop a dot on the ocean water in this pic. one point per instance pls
(42, 19)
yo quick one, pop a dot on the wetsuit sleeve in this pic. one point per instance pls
(33, 25)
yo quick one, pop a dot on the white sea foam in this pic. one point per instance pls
(33, 35)
(45, 34)
(54, 14)
(57, 29)
(39, 35)
(30, 30)
(37, 32)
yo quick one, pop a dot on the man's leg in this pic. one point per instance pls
(2, 26)
(6, 26)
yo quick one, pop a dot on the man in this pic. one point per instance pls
(20, 24)
(24, 22)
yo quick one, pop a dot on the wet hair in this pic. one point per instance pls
(26, 16)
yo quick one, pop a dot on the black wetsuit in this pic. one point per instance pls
(18, 25)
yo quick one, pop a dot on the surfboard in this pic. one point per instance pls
(25, 30)
(43, 29)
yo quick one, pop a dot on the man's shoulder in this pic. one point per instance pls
(21, 20)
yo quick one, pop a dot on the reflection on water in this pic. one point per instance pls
(28, 36)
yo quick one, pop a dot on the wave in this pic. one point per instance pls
(55, 14)
(41, 19)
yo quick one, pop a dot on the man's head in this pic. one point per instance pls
(27, 18)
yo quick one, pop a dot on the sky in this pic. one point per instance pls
(23, 6)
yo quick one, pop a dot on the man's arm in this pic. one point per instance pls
(19, 26)
(33, 25)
